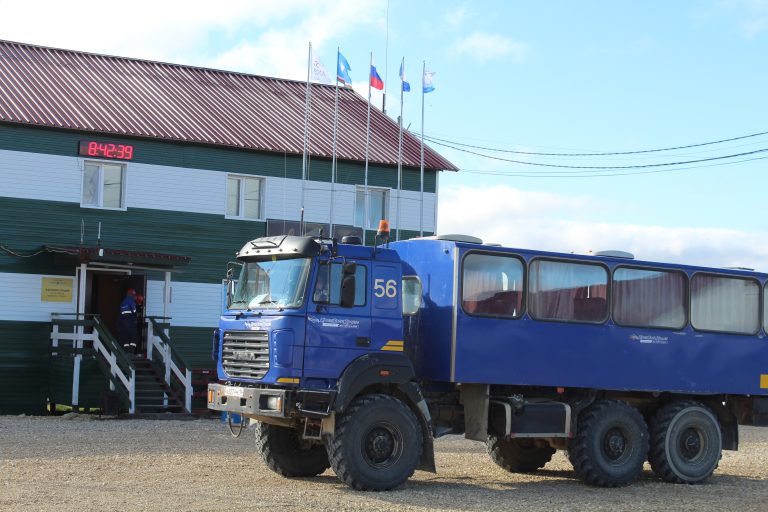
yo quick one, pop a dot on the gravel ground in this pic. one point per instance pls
(81, 463)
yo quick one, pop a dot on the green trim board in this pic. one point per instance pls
(65, 143)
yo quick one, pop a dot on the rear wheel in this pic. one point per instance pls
(377, 443)
(611, 444)
(686, 443)
(518, 455)
(286, 454)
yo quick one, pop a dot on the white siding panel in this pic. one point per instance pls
(409, 210)
(175, 188)
(20, 298)
(344, 204)
(192, 304)
(39, 176)
(282, 199)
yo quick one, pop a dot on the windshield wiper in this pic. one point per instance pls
(270, 301)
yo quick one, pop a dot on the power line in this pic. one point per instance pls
(438, 140)
(601, 174)
(605, 167)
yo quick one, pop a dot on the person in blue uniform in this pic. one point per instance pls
(127, 326)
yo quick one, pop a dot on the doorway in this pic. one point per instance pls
(106, 290)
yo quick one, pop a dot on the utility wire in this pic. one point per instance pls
(438, 140)
(606, 167)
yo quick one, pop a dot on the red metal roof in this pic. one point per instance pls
(82, 91)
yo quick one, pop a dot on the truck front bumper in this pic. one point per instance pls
(274, 402)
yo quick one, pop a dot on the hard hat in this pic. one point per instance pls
(131, 292)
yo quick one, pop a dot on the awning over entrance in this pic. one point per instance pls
(130, 258)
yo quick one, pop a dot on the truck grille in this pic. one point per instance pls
(245, 354)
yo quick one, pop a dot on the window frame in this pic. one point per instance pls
(421, 293)
(760, 290)
(123, 185)
(523, 288)
(608, 291)
(686, 297)
(329, 263)
(388, 197)
(241, 197)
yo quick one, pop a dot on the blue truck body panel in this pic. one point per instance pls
(525, 351)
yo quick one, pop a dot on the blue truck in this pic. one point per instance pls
(356, 358)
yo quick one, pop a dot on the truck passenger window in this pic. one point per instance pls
(649, 298)
(492, 285)
(570, 292)
(725, 304)
(328, 284)
(411, 295)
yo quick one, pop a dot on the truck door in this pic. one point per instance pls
(335, 335)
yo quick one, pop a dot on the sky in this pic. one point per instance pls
(544, 77)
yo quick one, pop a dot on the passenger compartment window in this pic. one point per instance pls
(492, 285)
(411, 295)
(725, 304)
(649, 298)
(571, 292)
(328, 284)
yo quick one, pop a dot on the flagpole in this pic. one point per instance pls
(367, 143)
(421, 174)
(335, 125)
(307, 106)
(400, 153)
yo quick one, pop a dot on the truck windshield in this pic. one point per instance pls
(271, 284)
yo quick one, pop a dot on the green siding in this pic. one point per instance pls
(55, 142)
(24, 361)
(194, 344)
(210, 240)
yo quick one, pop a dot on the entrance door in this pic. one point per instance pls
(107, 290)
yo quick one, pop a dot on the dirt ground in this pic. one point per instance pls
(81, 463)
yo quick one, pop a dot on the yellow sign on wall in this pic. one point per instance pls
(57, 289)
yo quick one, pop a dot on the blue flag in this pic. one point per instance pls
(427, 81)
(406, 85)
(342, 70)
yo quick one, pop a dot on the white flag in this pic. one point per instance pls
(319, 73)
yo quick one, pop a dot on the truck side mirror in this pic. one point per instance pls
(348, 285)
(230, 291)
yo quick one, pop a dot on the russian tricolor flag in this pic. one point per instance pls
(376, 81)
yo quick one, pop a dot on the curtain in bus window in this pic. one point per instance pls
(649, 298)
(491, 285)
(568, 291)
(724, 304)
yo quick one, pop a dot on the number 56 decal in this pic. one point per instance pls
(380, 289)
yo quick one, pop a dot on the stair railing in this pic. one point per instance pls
(158, 340)
(119, 368)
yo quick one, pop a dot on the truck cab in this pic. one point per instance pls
(311, 329)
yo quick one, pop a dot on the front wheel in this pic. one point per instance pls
(686, 443)
(288, 455)
(376, 445)
(611, 444)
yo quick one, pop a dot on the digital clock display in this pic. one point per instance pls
(106, 150)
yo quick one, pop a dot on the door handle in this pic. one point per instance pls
(363, 342)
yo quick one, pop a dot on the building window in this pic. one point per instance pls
(103, 185)
(649, 298)
(378, 207)
(244, 197)
(725, 304)
(570, 292)
(492, 285)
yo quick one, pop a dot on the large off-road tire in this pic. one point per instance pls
(686, 442)
(518, 455)
(611, 444)
(377, 443)
(286, 454)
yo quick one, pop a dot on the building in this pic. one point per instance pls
(118, 173)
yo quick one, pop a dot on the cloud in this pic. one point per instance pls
(553, 222)
(268, 38)
(482, 46)
(455, 17)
